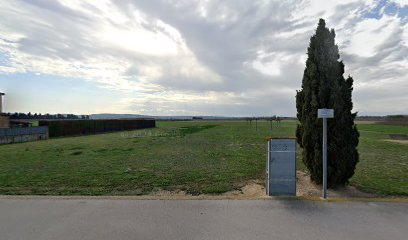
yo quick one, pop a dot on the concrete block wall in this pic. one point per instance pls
(4, 122)
(17, 135)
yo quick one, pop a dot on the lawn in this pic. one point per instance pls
(198, 157)
(383, 166)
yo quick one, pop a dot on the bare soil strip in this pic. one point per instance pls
(397, 141)
(254, 189)
(399, 137)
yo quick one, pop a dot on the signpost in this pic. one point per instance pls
(1, 102)
(325, 114)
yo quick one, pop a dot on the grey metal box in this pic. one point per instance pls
(281, 167)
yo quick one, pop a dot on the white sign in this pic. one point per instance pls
(325, 113)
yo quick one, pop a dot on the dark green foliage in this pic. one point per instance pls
(323, 86)
(83, 127)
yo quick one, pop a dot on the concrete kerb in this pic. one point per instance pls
(206, 197)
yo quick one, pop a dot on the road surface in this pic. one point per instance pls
(200, 219)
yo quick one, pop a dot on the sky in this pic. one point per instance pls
(190, 57)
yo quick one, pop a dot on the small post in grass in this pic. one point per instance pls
(325, 114)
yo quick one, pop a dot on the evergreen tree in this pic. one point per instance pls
(323, 86)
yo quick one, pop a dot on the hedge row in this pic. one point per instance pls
(83, 127)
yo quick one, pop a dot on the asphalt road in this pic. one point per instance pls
(200, 219)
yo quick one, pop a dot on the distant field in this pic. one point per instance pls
(383, 166)
(198, 157)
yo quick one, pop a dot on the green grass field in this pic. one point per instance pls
(383, 166)
(198, 157)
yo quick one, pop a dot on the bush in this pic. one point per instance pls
(323, 86)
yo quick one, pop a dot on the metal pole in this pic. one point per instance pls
(324, 158)
(267, 167)
(1, 102)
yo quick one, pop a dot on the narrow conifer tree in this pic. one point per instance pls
(323, 86)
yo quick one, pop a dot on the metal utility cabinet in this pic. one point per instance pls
(281, 167)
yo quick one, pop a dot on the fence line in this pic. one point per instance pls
(15, 135)
(22, 131)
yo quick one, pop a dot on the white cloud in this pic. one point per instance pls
(140, 41)
(271, 63)
(101, 47)
(310, 9)
(405, 35)
(202, 57)
(400, 3)
(369, 34)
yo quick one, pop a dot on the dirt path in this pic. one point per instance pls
(397, 141)
(307, 188)
(255, 189)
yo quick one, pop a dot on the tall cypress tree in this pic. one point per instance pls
(323, 86)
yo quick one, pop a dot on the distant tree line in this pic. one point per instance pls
(269, 118)
(382, 118)
(30, 115)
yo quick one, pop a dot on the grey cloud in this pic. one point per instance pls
(260, 105)
(380, 65)
(62, 33)
(225, 47)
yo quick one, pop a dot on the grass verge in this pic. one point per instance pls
(197, 157)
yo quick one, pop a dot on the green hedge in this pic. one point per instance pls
(59, 128)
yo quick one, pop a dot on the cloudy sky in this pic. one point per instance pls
(164, 57)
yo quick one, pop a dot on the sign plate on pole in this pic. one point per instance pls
(325, 113)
